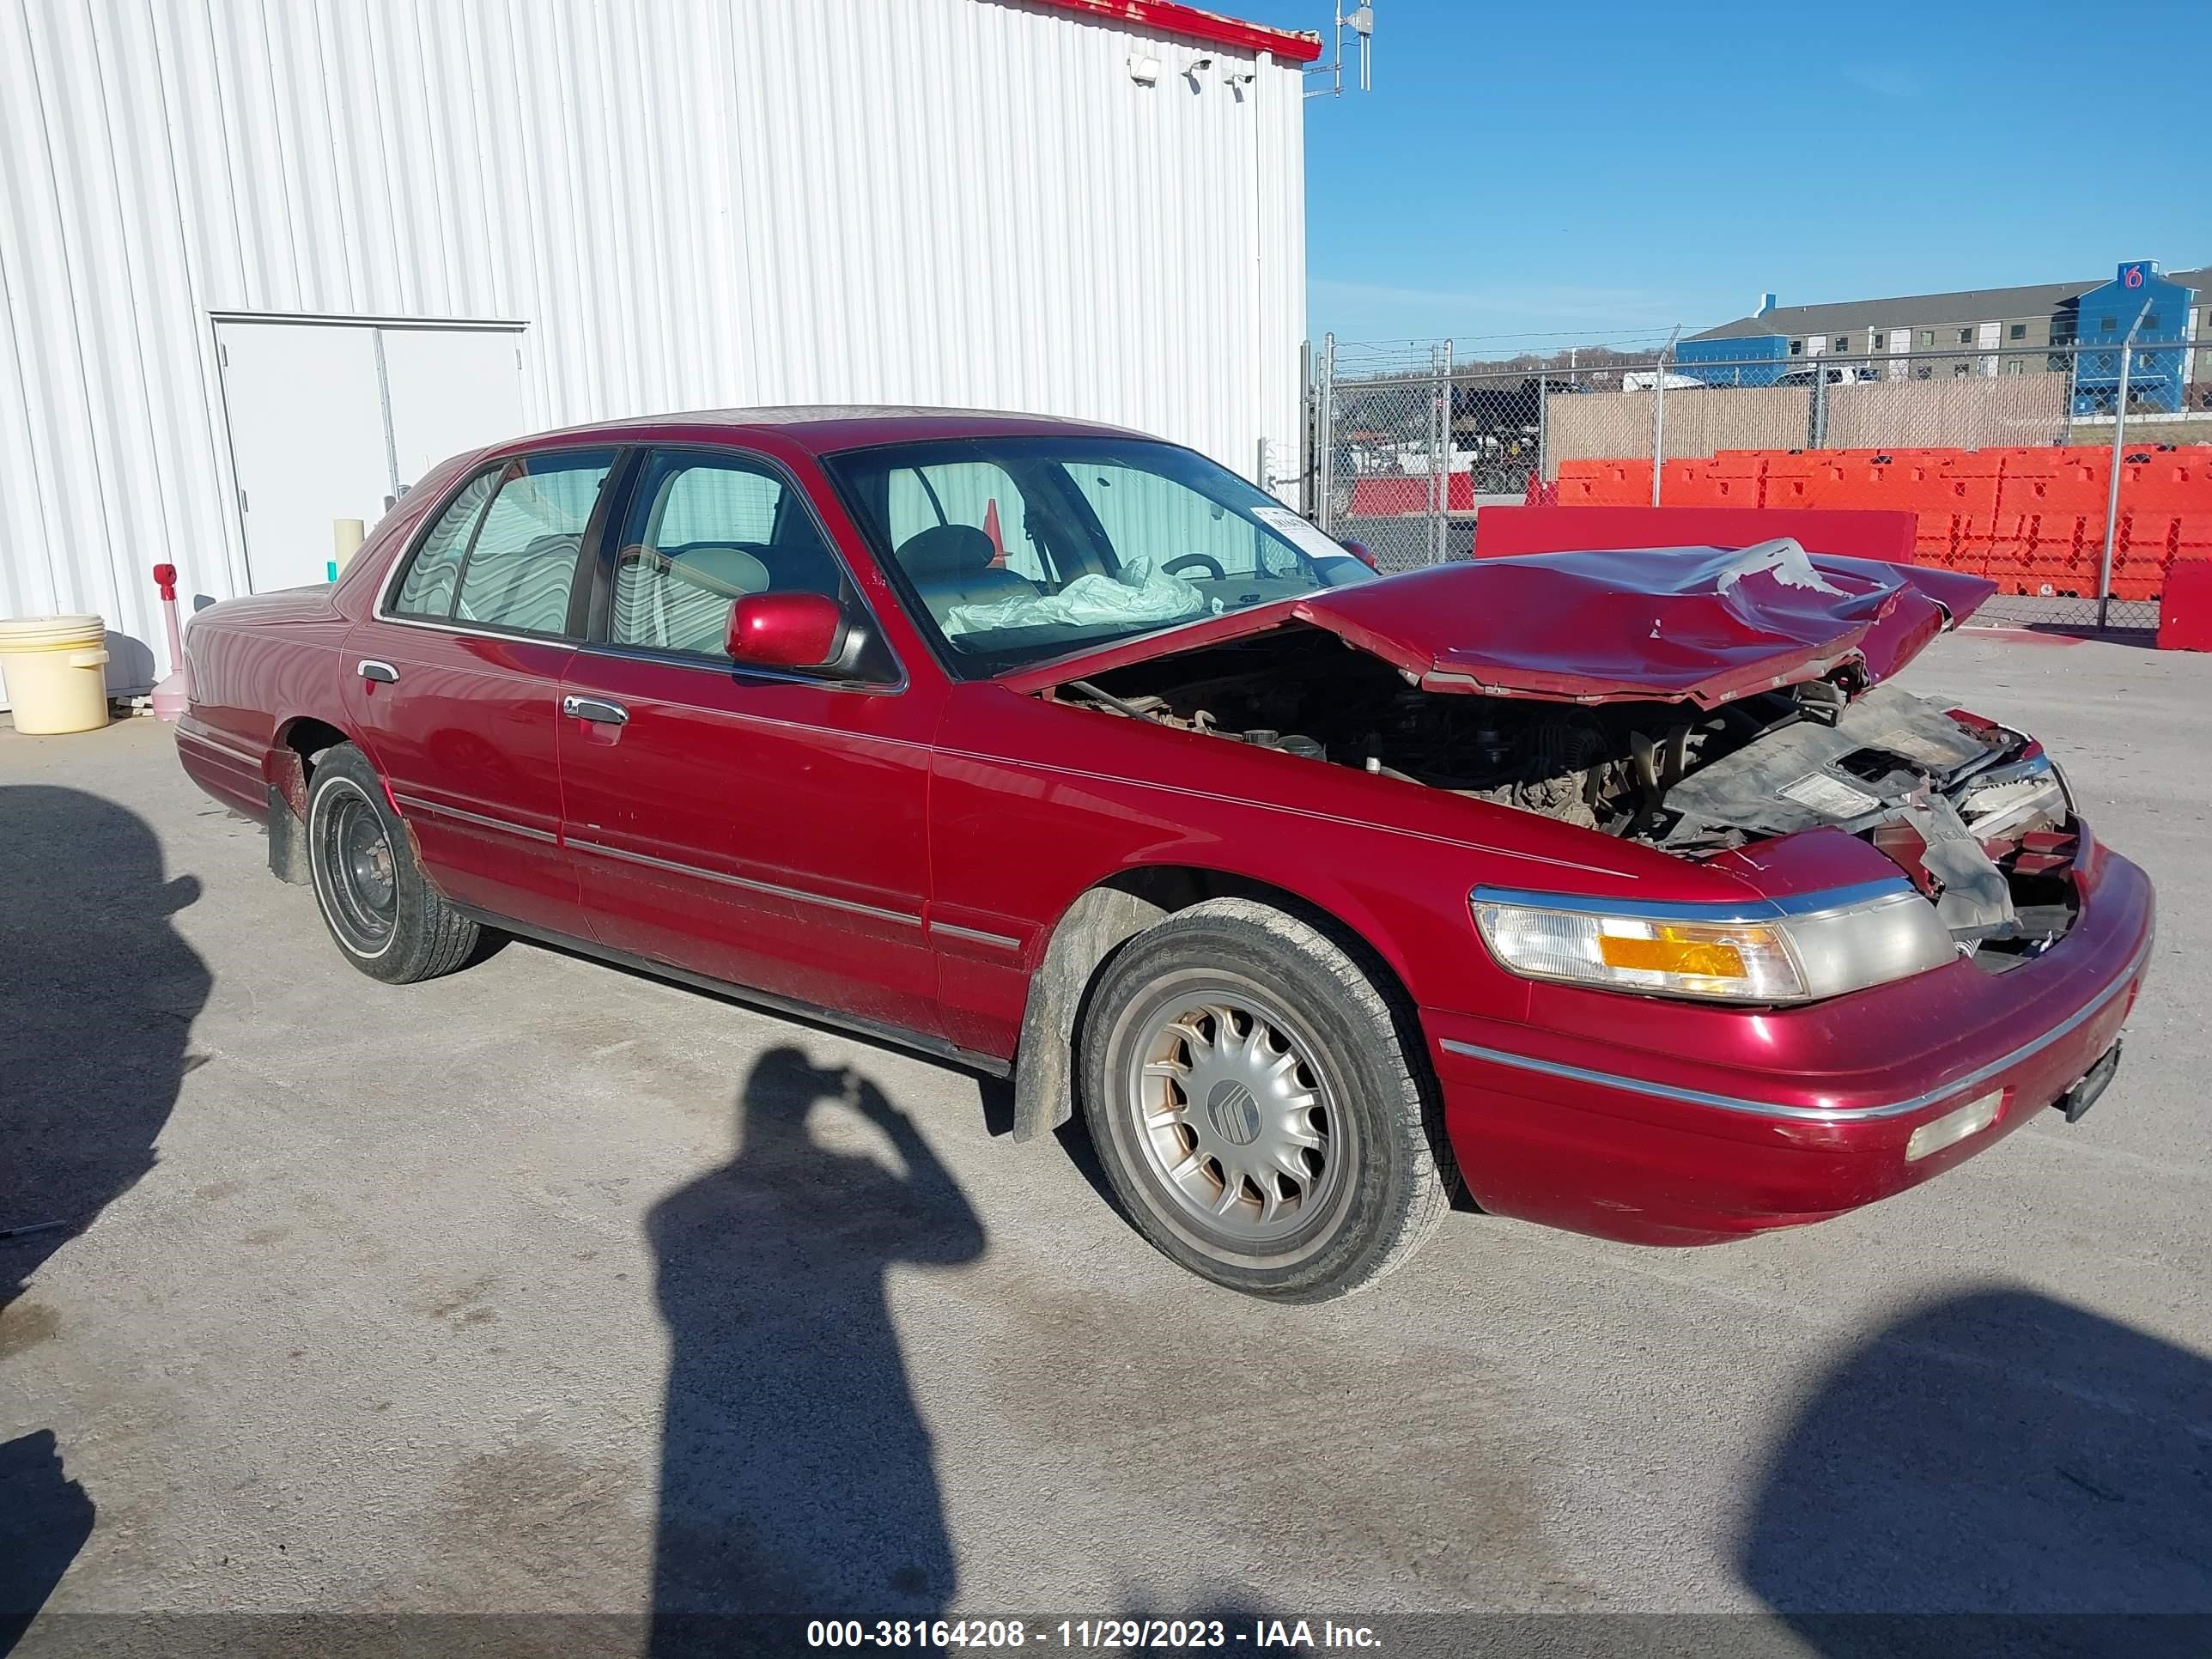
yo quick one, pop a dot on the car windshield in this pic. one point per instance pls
(1012, 551)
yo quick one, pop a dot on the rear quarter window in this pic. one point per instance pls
(432, 579)
(505, 552)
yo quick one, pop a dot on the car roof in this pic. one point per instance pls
(821, 428)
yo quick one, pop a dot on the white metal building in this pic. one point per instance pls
(263, 261)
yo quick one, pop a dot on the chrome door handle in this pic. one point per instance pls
(381, 672)
(596, 710)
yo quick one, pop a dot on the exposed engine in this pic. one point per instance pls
(1973, 812)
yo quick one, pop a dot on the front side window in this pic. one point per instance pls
(504, 554)
(703, 531)
(1098, 539)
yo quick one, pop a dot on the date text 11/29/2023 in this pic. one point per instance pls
(1144, 1635)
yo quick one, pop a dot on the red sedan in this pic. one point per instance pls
(1623, 891)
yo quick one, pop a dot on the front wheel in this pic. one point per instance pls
(1249, 1096)
(381, 910)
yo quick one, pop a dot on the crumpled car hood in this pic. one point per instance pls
(1706, 625)
(1703, 625)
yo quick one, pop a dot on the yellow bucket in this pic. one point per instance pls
(57, 673)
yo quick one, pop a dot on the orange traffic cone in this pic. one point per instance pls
(991, 529)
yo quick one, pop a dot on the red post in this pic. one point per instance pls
(172, 695)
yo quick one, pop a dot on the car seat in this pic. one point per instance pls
(950, 564)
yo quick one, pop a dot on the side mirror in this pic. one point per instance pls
(786, 630)
(1361, 551)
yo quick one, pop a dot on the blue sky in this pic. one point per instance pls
(1602, 168)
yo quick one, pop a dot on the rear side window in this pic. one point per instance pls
(505, 554)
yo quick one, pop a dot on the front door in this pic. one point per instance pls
(766, 829)
(457, 682)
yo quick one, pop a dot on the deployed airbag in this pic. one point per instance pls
(1138, 594)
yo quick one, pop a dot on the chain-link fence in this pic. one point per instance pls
(2074, 477)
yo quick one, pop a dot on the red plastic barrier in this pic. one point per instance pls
(1389, 498)
(2184, 613)
(1397, 497)
(1875, 535)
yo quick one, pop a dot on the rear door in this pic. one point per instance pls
(762, 828)
(456, 682)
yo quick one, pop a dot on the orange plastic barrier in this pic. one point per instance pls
(1723, 481)
(2033, 519)
(1605, 483)
(2170, 482)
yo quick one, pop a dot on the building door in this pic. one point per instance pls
(448, 390)
(332, 420)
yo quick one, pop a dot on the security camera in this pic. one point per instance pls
(1199, 66)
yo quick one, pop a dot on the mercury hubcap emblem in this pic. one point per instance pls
(1236, 1114)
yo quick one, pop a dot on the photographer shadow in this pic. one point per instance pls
(99, 994)
(797, 1473)
(1997, 1472)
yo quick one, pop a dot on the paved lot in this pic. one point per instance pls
(541, 1287)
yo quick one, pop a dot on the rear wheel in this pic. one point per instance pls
(1248, 1094)
(380, 909)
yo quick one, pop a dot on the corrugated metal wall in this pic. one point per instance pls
(690, 203)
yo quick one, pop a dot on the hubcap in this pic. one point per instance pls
(356, 861)
(1233, 1118)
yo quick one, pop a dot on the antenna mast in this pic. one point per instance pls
(1360, 20)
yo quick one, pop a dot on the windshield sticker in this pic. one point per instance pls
(1313, 543)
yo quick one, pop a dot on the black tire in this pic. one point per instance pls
(382, 912)
(1374, 1183)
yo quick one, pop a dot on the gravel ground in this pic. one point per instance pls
(551, 1288)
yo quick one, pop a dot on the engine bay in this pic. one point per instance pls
(1973, 812)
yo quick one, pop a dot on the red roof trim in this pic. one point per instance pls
(1171, 17)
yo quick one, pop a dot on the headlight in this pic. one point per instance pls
(1765, 951)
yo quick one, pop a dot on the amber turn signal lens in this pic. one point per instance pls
(1669, 950)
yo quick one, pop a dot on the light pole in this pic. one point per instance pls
(2113, 488)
